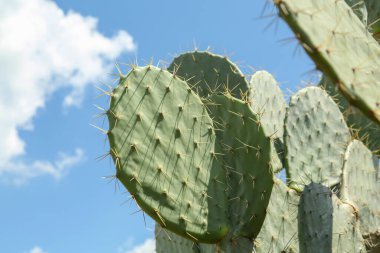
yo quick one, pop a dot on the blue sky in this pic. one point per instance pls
(53, 53)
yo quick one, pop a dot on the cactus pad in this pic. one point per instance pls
(246, 159)
(268, 102)
(316, 138)
(208, 73)
(280, 232)
(163, 144)
(361, 187)
(325, 224)
(340, 46)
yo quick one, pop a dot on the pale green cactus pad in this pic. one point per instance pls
(316, 138)
(280, 229)
(246, 160)
(325, 224)
(163, 145)
(361, 187)
(208, 73)
(341, 46)
(267, 101)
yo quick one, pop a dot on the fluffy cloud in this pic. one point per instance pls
(149, 246)
(36, 250)
(18, 173)
(43, 49)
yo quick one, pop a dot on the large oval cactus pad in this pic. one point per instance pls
(316, 138)
(341, 46)
(163, 143)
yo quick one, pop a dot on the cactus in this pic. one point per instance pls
(208, 73)
(316, 137)
(361, 188)
(163, 146)
(197, 146)
(325, 224)
(246, 159)
(267, 100)
(280, 232)
(340, 46)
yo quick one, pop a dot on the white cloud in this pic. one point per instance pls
(18, 173)
(36, 249)
(148, 246)
(43, 49)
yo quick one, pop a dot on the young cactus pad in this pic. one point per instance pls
(340, 46)
(316, 138)
(208, 73)
(361, 187)
(267, 101)
(163, 144)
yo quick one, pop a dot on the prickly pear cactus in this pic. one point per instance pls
(267, 101)
(325, 224)
(208, 73)
(316, 137)
(202, 165)
(246, 160)
(341, 46)
(361, 188)
(163, 145)
(280, 230)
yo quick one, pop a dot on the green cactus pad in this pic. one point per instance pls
(268, 102)
(208, 73)
(361, 187)
(280, 231)
(340, 46)
(163, 145)
(168, 242)
(367, 130)
(316, 138)
(325, 224)
(246, 160)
